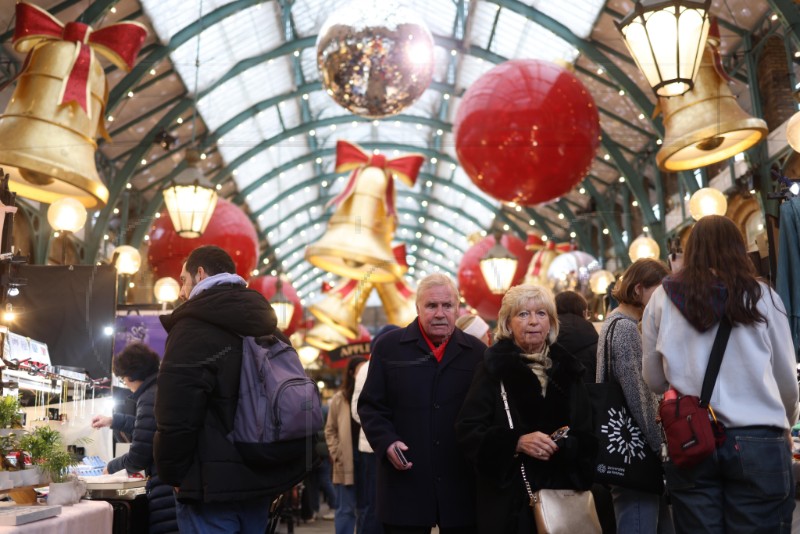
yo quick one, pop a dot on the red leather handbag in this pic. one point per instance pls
(692, 430)
(689, 422)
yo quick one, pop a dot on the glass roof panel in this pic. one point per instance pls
(577, 15)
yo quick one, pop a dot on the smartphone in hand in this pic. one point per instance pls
(400, 456)
(560, 433)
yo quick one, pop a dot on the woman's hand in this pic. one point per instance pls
(537, 445)
(99, 421)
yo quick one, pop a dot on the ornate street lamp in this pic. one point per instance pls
(498, 267)
(666, 39)
(190, 198)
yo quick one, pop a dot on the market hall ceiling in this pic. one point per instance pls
(240, 80)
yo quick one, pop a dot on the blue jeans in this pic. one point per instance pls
(744, 486)
(639, 512)
(347, 511)
(243, 517)
(366, 491)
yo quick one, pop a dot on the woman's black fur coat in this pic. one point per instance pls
(489, 444)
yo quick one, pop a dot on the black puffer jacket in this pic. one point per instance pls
(198, 387)
(142, 427)
(579, 337)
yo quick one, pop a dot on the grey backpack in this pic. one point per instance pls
(279, 411)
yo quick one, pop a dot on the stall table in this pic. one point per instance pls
(86, 517)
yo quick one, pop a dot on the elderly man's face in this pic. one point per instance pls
(436, 308)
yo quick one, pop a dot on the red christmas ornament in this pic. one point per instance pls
(527, 131)
(471, 283)
(266, 286)
(229, 228)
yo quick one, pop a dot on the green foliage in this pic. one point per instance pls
(41, 443)
(9, 412)
(47, 450)
(57, 465)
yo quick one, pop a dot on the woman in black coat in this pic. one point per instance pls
(137, 367)
(545, 392)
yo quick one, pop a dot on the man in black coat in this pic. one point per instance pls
(417, 381)
(198, 388)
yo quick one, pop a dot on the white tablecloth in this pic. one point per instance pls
(86, 517)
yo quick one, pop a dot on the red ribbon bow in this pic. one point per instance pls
(350, 157)
(120, 43)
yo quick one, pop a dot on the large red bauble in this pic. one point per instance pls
(527, 131)
(471, 283)
(229, 229)
(266, 286)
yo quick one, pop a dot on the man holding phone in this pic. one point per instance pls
(417, 381)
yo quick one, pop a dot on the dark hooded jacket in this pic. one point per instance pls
(198, 388)
(579, 337)
(142, 427)
(489, 444)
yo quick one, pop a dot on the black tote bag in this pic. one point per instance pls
(624, 458)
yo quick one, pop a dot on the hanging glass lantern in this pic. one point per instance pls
(66, 215)
(128, 260)
(600, 280)
(284, 308)
(666, 39)
(498, 267)
(190, 199)
(707, 201)
(166, 289)
(643, 246)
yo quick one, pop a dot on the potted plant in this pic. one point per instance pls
(49, 454)
(9, 412)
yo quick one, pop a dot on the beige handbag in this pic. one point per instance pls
(558, 511)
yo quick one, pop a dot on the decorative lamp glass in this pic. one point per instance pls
(600, 280)
(284, 308)
(190, 199)
(498, 267)
(707, 201)
(643, 247)
(666, 39)
(166, 289)
(128, 260)
(66, 215)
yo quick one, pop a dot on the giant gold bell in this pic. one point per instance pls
(355, 244)
(706, 125)
(48, 148)
(342, 307)
(323, 337)
(399, 302)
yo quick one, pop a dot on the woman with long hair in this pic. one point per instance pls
(636, 511)
(341, 434)
(746, 485)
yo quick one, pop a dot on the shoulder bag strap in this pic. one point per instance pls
(607, 348)
(504, 396)
(715, 360)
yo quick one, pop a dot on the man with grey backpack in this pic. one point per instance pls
(217, 489)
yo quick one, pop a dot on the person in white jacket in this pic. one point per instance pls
(369, 523)
(746, 485)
